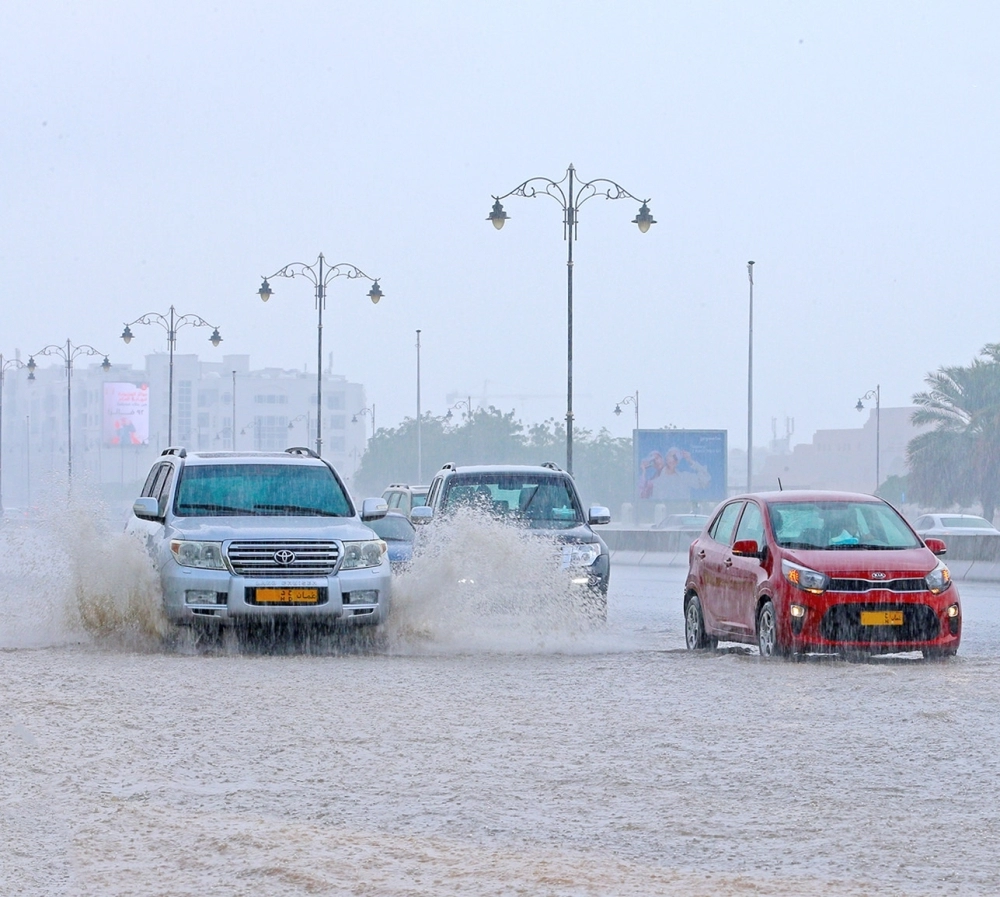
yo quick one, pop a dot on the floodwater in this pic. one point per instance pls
(484, 744)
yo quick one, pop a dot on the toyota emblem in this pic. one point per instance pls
(284, 557)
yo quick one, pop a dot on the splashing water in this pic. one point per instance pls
(66, 576)
(481, 584)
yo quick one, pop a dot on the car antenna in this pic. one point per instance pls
(779, 485)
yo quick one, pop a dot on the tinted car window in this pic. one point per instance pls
(546, 501)
(281, 490)
(751, 525)
(722, 529)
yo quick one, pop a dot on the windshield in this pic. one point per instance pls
(546, 502)
(260, 490)
(839, 526)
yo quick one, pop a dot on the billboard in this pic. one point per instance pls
(680, 466)
(126, 414)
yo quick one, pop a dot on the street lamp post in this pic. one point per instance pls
(4, 364)
(420, 458)
(319, 275)
(466, 403)
(875, 394)
(171, 322)
(629, 400)
(750, 387)
(67, 353)
(570, 193)
(363, 412)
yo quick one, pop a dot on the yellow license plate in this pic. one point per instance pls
(881, 618)
(287, 596)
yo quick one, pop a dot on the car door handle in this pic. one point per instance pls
(728, 562)
(701, 554)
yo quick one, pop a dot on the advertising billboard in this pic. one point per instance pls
(126, 414)
(680, 467)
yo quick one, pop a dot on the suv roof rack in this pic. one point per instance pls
(301, 450)
(177, 450)
(551, 465)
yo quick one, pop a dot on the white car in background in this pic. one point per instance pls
(937, 525)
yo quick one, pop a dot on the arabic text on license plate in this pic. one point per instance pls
(287, 596)
(881, 618)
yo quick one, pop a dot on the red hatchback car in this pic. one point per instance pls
(819, 572)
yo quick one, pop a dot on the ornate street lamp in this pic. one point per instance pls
(67, 353)
(171, 322)
(571, 193)
(319, 275)
(363, 412)
(461, 403)
(875, 394)
(629, 400)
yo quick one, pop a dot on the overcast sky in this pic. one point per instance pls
(159, 153)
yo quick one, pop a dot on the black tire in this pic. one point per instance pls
(939, 654)
(768, 642)
(695, 636)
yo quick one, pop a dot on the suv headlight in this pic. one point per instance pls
(803, 578)
(363, 554)
(939, 578)
(577, 555)
(198, 554)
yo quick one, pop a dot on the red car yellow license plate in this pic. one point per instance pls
(287, 596)
(881, 618)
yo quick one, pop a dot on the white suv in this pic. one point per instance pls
(239, 536)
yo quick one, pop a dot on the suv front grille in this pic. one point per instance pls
(283, 558)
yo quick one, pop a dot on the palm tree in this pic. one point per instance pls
(959, 460)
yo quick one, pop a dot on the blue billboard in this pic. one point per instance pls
(680, 466)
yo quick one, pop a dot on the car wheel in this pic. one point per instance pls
(694, 627)
(939, 653)
(767, 632)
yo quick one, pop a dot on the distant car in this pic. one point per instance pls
(954, 525)
(403, 498)
(398, 533)
(822, 572)
(683, 523)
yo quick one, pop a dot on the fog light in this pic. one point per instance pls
(952, 611)
(580, 580)
(797, 610)
(202, 596)
(366, 596)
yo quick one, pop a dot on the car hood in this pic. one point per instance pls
(581, 534)
(895, 563)
(219, 529)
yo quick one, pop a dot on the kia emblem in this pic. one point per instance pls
(284, 557)
(878, 576)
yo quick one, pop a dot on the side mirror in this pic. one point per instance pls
(146, 508)
(746, 548)
(598, 515)
(373, 509)
(937, 546)
(421, 514)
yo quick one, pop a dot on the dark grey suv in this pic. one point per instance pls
(542, 498)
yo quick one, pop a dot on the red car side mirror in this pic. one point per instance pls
(747, 547)
(937, 546)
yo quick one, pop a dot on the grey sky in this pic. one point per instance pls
(173, 153)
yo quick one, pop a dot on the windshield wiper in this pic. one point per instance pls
(216, 509)
(296, 509)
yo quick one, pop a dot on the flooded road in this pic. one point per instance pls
(533, 759)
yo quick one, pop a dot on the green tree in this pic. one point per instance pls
(958, 462)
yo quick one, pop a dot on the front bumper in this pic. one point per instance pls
(356, 597)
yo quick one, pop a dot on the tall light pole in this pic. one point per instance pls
(67, 353)
(750, 388)
(420, 459)
(319, 275)
(171, 322)
(233, 428)
(4, 364)
(875, 394)
(570, 193)
(363, 412)
(629, 400)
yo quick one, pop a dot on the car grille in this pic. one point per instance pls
(868, 585)
(842, 623)
(262, 558)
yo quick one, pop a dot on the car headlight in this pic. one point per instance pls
(939, 578)
(580, 555)
(198, 554)
(803, 578)
(363, 554)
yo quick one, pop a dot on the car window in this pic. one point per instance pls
(839, 525)
(273, 490)
(967, 522)
(163, 489)
(751, 525)
(722, 529)
(539, 499)
(147, 487)
(418, 499)
(924, 523)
